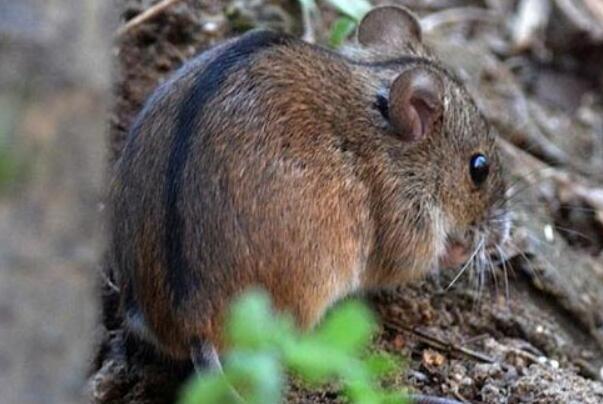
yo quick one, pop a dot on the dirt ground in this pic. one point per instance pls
(532, 336)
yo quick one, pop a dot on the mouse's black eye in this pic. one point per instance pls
(479, 167)
(382, 105)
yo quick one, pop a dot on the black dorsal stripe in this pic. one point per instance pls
(181, 277)
(388, 63)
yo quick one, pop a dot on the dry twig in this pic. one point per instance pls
(596, 6)
(146, 15)
(456, 15)
(530, 21)
(583, 15)
(438, 343)
(309, 12)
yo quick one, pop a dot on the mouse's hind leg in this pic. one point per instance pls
(205, 357)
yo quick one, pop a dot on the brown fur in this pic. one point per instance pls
(306, 191)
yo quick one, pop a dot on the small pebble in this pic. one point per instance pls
(433, 358)
(399, 342)
(549, 235)
(418, 376)
(210, 27)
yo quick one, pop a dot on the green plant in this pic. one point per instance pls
(355, 9)
(352, 12)
(265, 345)
(9, 163)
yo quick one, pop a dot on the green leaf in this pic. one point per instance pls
(381, 364)
(348, 327)
(257, 377)
(362, 393)
(265, 344)
(10, 158)
(341, 29)
(315, 361)
(395, 397)
(207, 389)
(253, 324)
(355, 9)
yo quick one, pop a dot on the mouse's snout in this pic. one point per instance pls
(478, 240)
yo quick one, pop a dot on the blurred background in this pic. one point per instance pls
(54, 80)
(74, 73)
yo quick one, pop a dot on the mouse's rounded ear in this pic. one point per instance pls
(416, 103)
(389, 26)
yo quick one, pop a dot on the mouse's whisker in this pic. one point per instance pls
(514, 194)
(480, 289)
(579, 208)
(492, 271)
(540, 245)
(517, 188)
(531, 175)
(467, 264)
(503, 258)
(545, 204)
(482, 273)
(526, 261)
(502, 219)
(542, 257)
(573, 232)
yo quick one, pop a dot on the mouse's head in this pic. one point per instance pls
(466, 172)
(448, 164)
